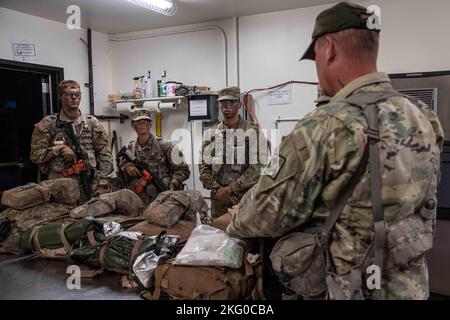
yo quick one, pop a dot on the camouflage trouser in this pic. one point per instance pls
(218, 208)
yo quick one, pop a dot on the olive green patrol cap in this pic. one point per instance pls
(342, 16)
(230, 93)
(140, 114)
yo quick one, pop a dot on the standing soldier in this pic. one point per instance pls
(229, 179)
(355, 192)
(54, 150)
(161, 157)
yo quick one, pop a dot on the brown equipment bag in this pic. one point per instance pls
(64, 190)
(182, 228)
(203, 283)
(170, 206)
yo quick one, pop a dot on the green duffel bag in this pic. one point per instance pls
(15, 222)
(118, 252)
(54, 240)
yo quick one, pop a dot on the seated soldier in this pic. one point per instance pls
(157, 154)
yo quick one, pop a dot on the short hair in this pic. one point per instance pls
(356, 42)
(67, 84)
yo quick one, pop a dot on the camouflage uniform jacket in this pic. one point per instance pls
(241, 175)
(317, 160)
(93, 141)
(159, 155)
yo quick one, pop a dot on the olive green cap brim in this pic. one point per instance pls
(309, 54)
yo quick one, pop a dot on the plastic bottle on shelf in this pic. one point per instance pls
(162, 86)
(137, 87)
(148, 85)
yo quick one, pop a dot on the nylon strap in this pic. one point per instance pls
(369, 101)
(62, 235)
(91, 238)
(375, 190)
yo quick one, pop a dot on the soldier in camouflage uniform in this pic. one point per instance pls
(163, 158)
(53, 151)
(227, 181)
(324, 150)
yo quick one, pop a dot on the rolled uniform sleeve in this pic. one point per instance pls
(102, 152)
(179, 168)
(207, 178)
(41, 151)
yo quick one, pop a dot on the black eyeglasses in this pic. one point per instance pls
(73, 94)
(228, 103)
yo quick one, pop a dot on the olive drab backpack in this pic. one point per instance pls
(302, 260)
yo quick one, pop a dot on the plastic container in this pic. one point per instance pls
(162, 92)
(148, 86)
(171, 87)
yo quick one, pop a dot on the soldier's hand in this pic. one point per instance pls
(131, 170)
(226, 195)
(232, 210)
(67, 153)
(173, 185)
(101, 190)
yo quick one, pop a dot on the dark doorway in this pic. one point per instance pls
(28, 93)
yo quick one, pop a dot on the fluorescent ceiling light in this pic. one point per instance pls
(166, 7)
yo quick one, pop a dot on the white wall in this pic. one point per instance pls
(414, 38)
(58, 46)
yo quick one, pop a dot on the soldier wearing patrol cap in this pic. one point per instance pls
(228, 182)
(157, 154)
(362, 170)
(53, 150)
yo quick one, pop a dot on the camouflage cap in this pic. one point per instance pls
(230, 93)
(140, 114)
(344, 15)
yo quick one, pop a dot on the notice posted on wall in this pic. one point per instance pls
(281, 95)
(23, 50)
(198, 108)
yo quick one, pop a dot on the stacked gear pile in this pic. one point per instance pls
(34, 205)
(45, 221)
(42, 217)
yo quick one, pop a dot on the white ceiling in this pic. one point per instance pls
(120, 16)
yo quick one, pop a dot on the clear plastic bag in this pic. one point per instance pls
(160, 251)
(208, 246)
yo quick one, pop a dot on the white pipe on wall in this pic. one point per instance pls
(167, 33)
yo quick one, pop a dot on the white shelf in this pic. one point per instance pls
(177, 99)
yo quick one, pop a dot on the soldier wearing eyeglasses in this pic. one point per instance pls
(54, 152)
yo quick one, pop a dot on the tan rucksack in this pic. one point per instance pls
(202, 283)
(123, 201)
(168, 208)
(64, 190)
